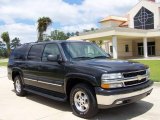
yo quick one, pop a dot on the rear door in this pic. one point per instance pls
(33, 64)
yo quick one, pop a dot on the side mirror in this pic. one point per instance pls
(52, 58)
(109, 56)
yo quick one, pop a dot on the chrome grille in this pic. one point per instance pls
(135, 78)
(134, 74)
(135, 82)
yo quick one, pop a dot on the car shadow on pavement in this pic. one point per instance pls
(64, 106)
(118, 113)
(125, 112)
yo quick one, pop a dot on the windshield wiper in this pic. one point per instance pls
(83, 57)
(101, 57)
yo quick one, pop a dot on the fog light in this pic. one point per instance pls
(119, 102)
(116, 85)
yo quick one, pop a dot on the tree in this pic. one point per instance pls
(77, 33)
(69, 34)
(58, 35)
(15, 42)
(2, 45)
(43, 24)
(100, 43)
(5, 37)
(3, 51)
(92, 29)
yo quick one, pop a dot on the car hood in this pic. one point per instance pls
(109, 65)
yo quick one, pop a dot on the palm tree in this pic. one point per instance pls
(58, 35)
(5, 37)
(43, 24)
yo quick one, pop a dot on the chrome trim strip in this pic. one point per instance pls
(49, 83)
(110, 99)
(30, 79)
(135, 71)
(42, 82)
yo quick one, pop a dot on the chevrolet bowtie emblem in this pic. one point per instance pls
(139, 77)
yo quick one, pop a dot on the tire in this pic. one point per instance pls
(83, 101)
(18, 86)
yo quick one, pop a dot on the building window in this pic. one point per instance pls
(144, 19)
(111, 49)
(126, 48)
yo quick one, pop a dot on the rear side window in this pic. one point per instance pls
(20, 52)
(35, 53)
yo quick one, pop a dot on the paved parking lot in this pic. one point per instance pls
(34, 107)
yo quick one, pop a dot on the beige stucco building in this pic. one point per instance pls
(135, 35)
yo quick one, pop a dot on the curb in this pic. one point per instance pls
(157, 84)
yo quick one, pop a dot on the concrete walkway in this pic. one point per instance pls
(149, 58)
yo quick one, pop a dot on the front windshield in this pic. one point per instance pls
(83, 50)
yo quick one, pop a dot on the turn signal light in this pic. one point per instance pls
(105, 86)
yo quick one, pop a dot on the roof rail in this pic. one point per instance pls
(29, 43)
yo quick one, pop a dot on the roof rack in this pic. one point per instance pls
(29, 43)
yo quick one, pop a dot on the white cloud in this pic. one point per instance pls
(70, 17)
(26, 33)
(79, 27)
(62, 12)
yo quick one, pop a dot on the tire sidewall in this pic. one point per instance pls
(21, 92)
(92, 101)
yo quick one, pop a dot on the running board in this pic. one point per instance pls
(46, 95)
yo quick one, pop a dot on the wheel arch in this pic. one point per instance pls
(15, 72)
(74, 79)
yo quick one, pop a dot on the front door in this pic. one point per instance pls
(150, 47)
(140, 49)
(51, 75)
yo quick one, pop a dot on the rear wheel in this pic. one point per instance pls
(19, 86)
(83, 101)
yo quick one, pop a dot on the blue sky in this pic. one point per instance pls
(74, 1)
(19, 17)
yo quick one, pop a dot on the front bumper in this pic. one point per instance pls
(113, 98)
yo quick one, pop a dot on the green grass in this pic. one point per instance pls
(3, 63)
(154, 68)
(3, 60)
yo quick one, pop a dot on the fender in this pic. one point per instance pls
(16, 69)
(88, 78)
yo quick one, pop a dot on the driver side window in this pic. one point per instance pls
(50, 49)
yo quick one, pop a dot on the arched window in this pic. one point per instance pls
(144, 19)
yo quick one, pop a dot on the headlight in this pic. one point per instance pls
(109, 80)
(112, 76)
(148, 72)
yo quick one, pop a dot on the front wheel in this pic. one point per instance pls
(19, 86)
(83, 101)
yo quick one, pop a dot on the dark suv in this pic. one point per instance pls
(79, 72)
